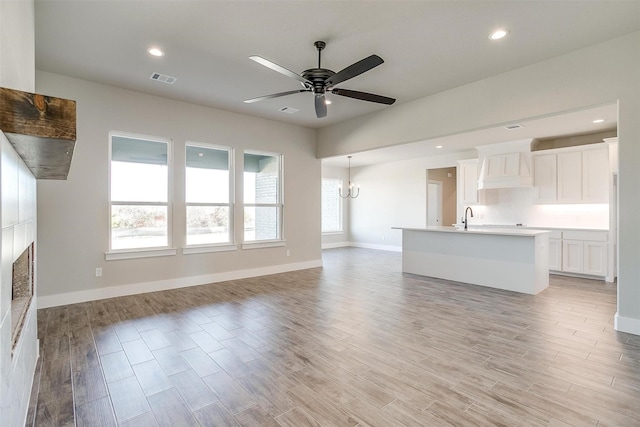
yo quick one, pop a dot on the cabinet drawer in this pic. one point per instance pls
(594, 236)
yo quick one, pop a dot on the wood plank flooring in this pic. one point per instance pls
(356, 343)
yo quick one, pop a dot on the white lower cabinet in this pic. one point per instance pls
(584, 252)
(555, 254)
(595, 258)
(572, 256)
(555, 250)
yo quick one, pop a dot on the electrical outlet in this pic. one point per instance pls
(288, 252)
(98, 272)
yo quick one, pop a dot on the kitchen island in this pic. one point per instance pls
(511, 259)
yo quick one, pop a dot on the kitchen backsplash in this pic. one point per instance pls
(515, 206)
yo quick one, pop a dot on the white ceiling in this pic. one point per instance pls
(428, 46)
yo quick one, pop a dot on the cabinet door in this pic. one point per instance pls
(595, 175)
(468, 183)
(595, 258)
(572, 256)
(545, 175)
(555, 254)
(569, 176)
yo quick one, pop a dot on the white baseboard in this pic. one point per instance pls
(335, 245)
(626, 324)
(161, 285)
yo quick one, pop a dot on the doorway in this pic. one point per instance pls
(441, 196)
(434, 203)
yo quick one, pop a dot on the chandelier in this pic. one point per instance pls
(350, 191)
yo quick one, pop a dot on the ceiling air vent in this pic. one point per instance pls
(288, 110)
(163, 78)
(514, 126)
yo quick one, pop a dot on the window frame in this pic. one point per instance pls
(280, 240)
(212, 247)
(141, 252)
(340, 229)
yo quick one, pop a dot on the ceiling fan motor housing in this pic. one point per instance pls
(317, 76)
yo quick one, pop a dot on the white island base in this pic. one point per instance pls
(510, 259)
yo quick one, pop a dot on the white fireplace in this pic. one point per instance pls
(18, 324)
(22, 284)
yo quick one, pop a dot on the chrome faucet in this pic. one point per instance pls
(466, 221)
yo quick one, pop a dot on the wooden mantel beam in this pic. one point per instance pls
(42, 129)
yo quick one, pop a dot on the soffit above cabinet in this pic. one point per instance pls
(42, 129)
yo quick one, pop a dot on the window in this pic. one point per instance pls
(208, 195)
(139, 192)
(262, 196)
(331, 206)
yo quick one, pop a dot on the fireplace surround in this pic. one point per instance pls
(21, 291)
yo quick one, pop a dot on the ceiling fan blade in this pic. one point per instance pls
(364, 96)
(275, 95)
(321, 106)
(354, 70)
(280, 69)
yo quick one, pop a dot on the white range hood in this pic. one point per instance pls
(505, 165)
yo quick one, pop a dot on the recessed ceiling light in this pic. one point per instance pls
(598, 121)
(155, 51)
(499, 34)
(327, 102)
(438, 146)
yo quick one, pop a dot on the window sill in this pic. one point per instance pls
(264, 244)
(332, 233)
(203, 249)
(139, 253)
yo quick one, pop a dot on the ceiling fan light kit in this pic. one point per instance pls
(320, 81)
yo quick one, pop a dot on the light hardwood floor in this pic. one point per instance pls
(355, 343)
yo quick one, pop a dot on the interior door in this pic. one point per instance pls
(434, 203)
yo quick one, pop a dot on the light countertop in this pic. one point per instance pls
(519, 231)
(531, 227)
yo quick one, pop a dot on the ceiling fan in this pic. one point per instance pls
(321, 80)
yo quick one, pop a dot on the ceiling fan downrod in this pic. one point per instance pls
(320, 45)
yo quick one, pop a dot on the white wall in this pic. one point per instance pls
(333, 240)
(18, 210)
(392, 195)
(74, 225)
(17, 45)
(597, 75)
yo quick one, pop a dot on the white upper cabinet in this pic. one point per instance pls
(595, 175)
(545, 189)
(468, 181)
(569, 177)
(576, 175)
